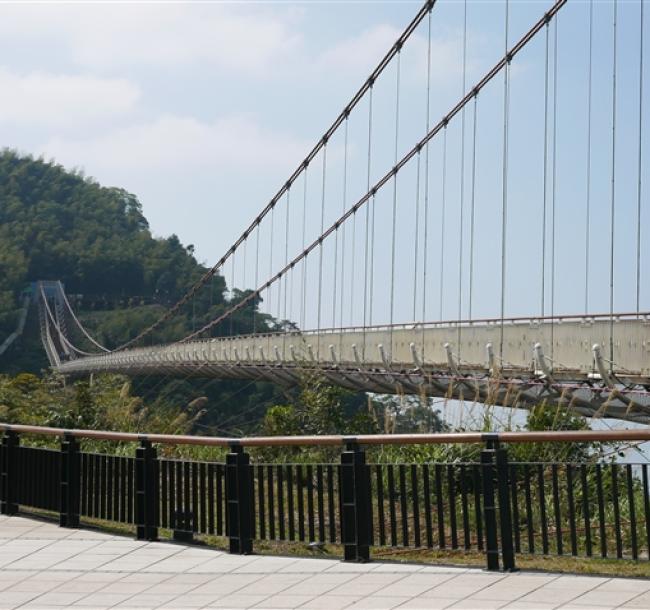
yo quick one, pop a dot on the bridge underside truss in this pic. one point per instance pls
(448, 361)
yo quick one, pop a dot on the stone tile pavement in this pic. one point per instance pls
(44, 567)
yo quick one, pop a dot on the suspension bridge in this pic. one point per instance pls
(470, 226)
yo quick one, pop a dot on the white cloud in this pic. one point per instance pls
(58, 100)
(105, 36)
(183, 145)
(361, 53)
(358, 55)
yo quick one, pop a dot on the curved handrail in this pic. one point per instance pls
(562, 436)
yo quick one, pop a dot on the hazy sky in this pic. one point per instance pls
(203, 110)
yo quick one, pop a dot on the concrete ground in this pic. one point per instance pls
(43, 567)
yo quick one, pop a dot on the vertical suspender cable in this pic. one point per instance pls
(286, 262)
(257, 274)
(243, 279)
(504, 185)
(320, 246)
(372, 202)
(425, 245)
(417, 236)
(442, 219)
(232, 290)
(613, 196)
(472, 211)
(462, 182)
(554, 189)
(589, 110)
(343, 234)
(545, 173)
(303, 280)
(394, 234)
(270, 288)
(640, 159)
(335, 276)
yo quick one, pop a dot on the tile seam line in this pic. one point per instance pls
(346, 583)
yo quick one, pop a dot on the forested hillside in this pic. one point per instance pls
(60, 225)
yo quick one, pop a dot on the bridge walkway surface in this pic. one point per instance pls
(43, 566)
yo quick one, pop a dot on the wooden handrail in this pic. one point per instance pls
(562, 436)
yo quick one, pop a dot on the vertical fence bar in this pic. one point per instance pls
(601, 511)
(239, 521)
(391, 504)
(281, 521)
(572, 510)
(403, 506)
(478, 511)
(514, 495)
(426, 492)
(557, 510)
(541, 499)
(355, 503)
(646, 505)
(380, 504)
(310, 503)
(70, 499)
(586, 513)
(146, 491)
(320, 503)
(529, 510)
(416, 506)
(9, 475)
(440, 507)
(632, 511)
(290, 502)
(331, 513)
(617, 512)
(464, 507)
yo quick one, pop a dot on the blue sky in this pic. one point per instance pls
(203, 109)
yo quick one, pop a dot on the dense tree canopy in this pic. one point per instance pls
(60, 225)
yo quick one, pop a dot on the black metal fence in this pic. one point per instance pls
(495, 507)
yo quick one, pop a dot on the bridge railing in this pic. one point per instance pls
(492, 506)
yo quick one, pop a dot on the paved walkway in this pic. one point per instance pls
(43, 567)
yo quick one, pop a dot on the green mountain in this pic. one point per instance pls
(60, 225)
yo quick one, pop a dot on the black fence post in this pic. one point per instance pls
(356, 523)
(9, 473)
(146, 491)
(505, 510)
(239, 501)
(70, 472)
(494, 464)
(489, 506)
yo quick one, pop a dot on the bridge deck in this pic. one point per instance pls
(44, 566)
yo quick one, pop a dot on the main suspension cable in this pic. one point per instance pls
(440, 126)
(358, 96)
